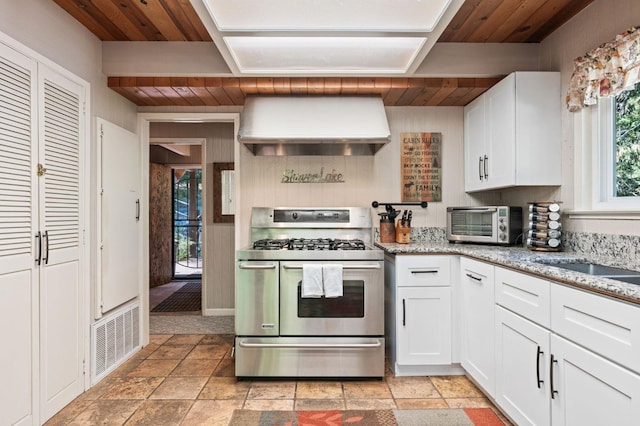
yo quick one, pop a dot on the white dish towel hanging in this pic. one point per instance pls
(332, 279)
(312, 280)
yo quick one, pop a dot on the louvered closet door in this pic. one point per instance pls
(18, 281)
(60, 151)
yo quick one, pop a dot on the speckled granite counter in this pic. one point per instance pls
(533, 262)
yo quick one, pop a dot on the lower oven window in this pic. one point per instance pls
(350, 305)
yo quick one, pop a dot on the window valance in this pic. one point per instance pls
(605, 71)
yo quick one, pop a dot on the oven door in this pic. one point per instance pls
(359, 312)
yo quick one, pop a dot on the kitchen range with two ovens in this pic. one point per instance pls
(310, 295)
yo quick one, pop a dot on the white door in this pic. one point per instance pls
(424, 325)
(61, 130)
(522, 360)
(120, 214)
(501, 133)
(590, 390)
(478, 327)
(18, 273)
(474, 144)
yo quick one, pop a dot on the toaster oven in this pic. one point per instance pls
(500, 225)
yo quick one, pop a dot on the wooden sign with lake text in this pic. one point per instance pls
(421, 166)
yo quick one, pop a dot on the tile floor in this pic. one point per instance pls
(188, 379)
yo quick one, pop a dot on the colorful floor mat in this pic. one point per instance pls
(441, 417)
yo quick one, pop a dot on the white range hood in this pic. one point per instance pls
(313, 125)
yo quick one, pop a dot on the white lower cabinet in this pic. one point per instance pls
(423, 324)
(590, 390)
(419, 315)
(564, 356)
(544, 379)
(477, 322)
(522, 366)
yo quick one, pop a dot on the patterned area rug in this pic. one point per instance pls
(186, 298)
(446, 417)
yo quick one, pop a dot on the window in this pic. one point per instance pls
(616, 149)
(626, 144)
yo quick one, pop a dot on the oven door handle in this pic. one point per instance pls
(248, 266)
(374, 266)
(246, 344)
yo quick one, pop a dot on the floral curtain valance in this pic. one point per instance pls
(605, 71)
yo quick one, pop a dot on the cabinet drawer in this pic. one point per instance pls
(605, 326)
(416, 271)
(524, 295)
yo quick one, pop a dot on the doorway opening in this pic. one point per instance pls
(187, 224)
(181, 129)
(176, 238)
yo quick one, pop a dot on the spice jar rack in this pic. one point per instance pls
(544, 226)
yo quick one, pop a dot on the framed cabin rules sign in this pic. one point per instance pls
(421, 166)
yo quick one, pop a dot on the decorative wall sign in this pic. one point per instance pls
(421, 166)
(291, 176)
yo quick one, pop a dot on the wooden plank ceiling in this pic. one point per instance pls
(477, 21)
(213, 91)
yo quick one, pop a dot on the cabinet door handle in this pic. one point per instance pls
(39, 239)
(538, 353)
(480, 167)
(45, 240)
(553, 391)
(249, 266)
(426, 271)
(404, 313)
(137, 210)
(486, 161)
(474, 278)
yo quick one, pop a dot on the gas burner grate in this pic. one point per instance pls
(348, 245)
(309, 244)
(269, 244)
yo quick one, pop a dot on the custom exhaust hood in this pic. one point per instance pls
(313, 125)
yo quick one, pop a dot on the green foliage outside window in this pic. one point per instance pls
(627, 148)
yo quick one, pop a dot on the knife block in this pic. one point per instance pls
(403, 233)
(387, 232)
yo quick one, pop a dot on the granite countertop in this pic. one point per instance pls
(533, 262)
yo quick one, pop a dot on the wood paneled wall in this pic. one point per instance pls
(160, 224)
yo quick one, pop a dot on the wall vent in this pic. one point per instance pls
(113, 339)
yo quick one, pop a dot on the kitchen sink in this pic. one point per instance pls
(632, 279)
(604, 271)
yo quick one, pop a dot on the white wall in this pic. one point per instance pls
(600, 22)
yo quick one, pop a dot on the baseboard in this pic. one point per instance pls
(428, 370)
(219, 312)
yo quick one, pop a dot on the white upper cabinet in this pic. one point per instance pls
(512, 133)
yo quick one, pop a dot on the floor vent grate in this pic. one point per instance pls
(114, 338)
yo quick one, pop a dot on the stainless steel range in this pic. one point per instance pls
(282, 330)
